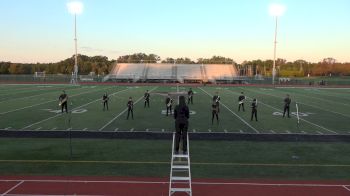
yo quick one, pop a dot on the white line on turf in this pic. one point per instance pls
(162, 130)
(12, 188)
(7, 128)
(245, 122)
(303, 132)
(53, 128)
(37, 129)
(26, 127)
(272, 131)
(122, 112)
(85, 129)
(225, 130)
(18, 109)
(194, 130)
(209, 130)
(319, 132)
(116, 129)
(70, 128)
(147, 130)
(287, 131)
(132, 129)
(241, 131)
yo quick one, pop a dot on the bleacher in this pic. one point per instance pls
(220, 72)
(161, 72)
(189, 73)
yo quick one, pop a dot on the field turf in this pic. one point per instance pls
(35, 107)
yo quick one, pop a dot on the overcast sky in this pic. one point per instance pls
(42, 30)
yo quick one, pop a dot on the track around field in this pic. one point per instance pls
(52, 185)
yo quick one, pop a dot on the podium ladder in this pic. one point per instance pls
(180, 171)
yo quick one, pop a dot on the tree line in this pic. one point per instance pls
(102, 65)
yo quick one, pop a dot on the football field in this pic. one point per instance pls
(35, 107)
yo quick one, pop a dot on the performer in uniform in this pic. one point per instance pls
(169, 104)
(130, 105)
(254, 110)
(241, 99)
(63, 100)
(181, 115)
(215, 112)
(105, 99)
(287, 102)
(146, 97)
(190, 96)
(216, 99)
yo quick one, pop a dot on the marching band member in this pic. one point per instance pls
(105, 99)
(146, 98)
(63, 100)
(241, 99)
(169, 104)
(130, 105)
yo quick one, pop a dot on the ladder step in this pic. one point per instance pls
(180, 190)
(180, 156)
(180, 178)
(181, 167)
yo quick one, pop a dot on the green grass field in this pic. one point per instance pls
(35, 107)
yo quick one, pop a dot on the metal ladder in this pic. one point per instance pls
(180, 171)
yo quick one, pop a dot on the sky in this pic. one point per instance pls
(42, 31)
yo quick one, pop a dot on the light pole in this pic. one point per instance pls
(275, 11)
(75, 8)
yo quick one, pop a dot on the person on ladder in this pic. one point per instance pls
(181, 116)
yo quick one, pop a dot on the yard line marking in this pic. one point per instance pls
(18, 109)
(132, 129)
(162, 130)
(319, 132)
(346, 187)
(225, 130)
(122, 112)
(303, 132)
(71, 110)
(85, 129)
(70, 128)
(319, 126)
(241, 131)
(11, 189)
(209, 130)
(272, 131)
(7, 128)
(194, 130)
(37, 129)
(147, 130)
(53, 128)
(287, 131)
(116, 129)
(245, 122)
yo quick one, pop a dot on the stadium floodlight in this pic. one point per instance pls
(275, 10)
(75, 8)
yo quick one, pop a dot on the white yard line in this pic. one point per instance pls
(245, 122)
(345, 187)
(122, 112)
(12, 188)
(99, 99)
(18, 109)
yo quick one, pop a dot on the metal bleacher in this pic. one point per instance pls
(162, 72)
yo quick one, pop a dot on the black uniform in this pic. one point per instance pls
(146, 97)
(287, 102)
(181, 115)
(254, 111)
(130, 105)
(63, 98)
(105, 99)
(169, 105)
(215, 112)
(190, 97)
(216, 99)
(241, 99)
